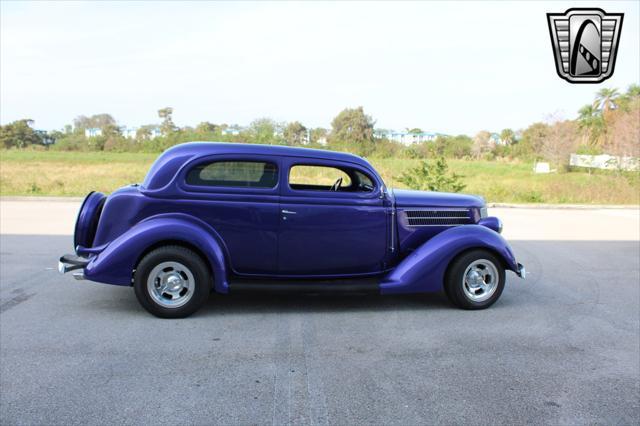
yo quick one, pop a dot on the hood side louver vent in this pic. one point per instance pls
(436, 217)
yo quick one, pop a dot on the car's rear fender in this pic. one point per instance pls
(87, 220)
(424, 269)
(115, 264)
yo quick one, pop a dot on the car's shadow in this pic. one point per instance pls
(297, 303)
(125, 303)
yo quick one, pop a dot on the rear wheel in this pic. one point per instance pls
(475, 280)
(172, 282)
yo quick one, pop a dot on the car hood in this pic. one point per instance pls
(409, 198)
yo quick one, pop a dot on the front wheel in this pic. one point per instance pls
(172, 282)
(475, 280)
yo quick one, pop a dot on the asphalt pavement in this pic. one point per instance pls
(562, 347)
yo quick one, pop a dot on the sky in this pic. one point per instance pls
(447, 67)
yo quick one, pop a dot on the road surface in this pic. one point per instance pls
(561, 347)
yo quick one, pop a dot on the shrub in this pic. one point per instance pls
(433, 177)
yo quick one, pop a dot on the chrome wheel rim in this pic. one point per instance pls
(480, 280)
(171, 284)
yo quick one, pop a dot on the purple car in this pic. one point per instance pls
(236, 217)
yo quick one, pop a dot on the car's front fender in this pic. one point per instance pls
(115, 264)
(424, 269)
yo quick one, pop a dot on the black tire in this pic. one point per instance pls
(186, 263)
(460, 294)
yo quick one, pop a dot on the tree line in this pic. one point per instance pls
(610, 124)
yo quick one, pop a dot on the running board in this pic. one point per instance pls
(309, 287)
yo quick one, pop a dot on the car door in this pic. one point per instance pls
(237, 195)
(327, 232)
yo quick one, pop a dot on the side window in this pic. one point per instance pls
(247, 174)
(324, 178)
(364, 182)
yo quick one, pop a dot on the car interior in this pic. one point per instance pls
(302, 177)
(247, 174)
(323, 178)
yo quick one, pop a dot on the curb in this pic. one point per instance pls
(38, 198)
(565, 206)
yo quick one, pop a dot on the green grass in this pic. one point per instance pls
(31, 155)
(69, 174)
(76, 173)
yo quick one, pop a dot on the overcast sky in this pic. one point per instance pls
(445, 67)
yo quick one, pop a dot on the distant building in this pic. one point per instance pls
(230, 131)
(306, 138)
(406, 138)
(129, 132)
(92, 132)
(494, 139)
(156, 132)
(151, 131)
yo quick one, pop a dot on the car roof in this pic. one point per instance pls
(210, 148)
(170, 160)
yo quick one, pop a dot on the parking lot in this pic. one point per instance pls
(562, 347)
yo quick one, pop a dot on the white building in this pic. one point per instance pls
(406, 138)
(231, 131)
(494, 139)
(129, 132)
(150, 132)
(156, 132)
(92, 132)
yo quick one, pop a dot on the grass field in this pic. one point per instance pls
(76, 173)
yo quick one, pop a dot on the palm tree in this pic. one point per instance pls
(507, 136)
(633, 91)
(591, 122)
(631, 97)
(586, 115)
(606, 99)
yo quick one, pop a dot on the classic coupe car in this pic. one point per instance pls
(228, 217)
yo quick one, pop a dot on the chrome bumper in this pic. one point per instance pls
(522, 273)
(70, 262)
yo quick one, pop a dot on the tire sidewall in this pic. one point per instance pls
(202, 285)
(455, 281)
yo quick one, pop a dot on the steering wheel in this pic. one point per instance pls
(336, 185)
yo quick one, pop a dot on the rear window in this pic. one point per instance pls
(247, 174)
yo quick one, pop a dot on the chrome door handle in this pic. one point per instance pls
(288, 212)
